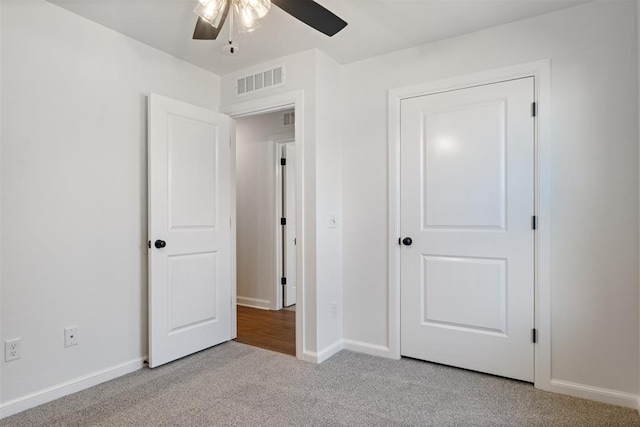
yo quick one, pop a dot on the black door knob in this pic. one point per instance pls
(160, 244)
(407, 241)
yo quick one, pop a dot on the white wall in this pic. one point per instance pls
(594, 277)
(74, 190)
(255, 206)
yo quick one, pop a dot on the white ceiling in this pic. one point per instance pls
(375, 27)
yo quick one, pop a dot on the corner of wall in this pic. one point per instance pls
(324, 354)
(370, 349)
(329, 200)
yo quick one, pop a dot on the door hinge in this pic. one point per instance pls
(283, 221)
(283, 280)
(283, 162)
(534, 222)
(534, 335)
(534, 109)
(149, 244)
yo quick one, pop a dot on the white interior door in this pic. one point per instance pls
(290, 228)
(189, 229)
(467, 201)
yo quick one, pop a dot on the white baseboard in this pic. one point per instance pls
(326, 353)
(44, 396)
(330, 351)
(598, 394)
(254, 303)
(366, 348)
(310, 356)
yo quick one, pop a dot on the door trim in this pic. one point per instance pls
(278, 142)
(295, 100)
(541, 72)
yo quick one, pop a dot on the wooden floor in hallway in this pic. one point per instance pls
(272, 330)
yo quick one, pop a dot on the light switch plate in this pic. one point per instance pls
(71, 336)
(333, 220)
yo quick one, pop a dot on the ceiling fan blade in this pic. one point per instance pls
(312, 14)
(204, 31)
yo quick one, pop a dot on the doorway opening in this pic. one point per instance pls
(266, 252)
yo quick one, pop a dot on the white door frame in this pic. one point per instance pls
(278, 141)
(541, 72)
(270, 104)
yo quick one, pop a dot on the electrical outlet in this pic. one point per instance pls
(334, 309)
(12, 350)
(71, 336)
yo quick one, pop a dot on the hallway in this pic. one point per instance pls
(271, 330)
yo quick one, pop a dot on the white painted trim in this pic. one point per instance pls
(330, 351)
(278, 142)
(262, 304)
(393, 186)
(542, 312)
(325, 354)
(541, 71)
(366, 348)
(70, 387)
(277, 228)
(604, 395)
(268, 104)
(309, 357)
(233, 243)
(265, 105)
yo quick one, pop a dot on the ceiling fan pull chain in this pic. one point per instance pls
(230, 48)
(233, 14)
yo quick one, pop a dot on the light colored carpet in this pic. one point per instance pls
(237, 385)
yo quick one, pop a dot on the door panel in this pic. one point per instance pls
(189, 209)
(464, 178)
(466, 293)
(467, 198)
(192, 290)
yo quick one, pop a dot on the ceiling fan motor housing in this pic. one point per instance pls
(230, 49)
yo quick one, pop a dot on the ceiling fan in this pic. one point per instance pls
(246, 15)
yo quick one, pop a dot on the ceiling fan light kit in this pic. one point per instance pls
(246, 15)
(211, 11)
(256, 9)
